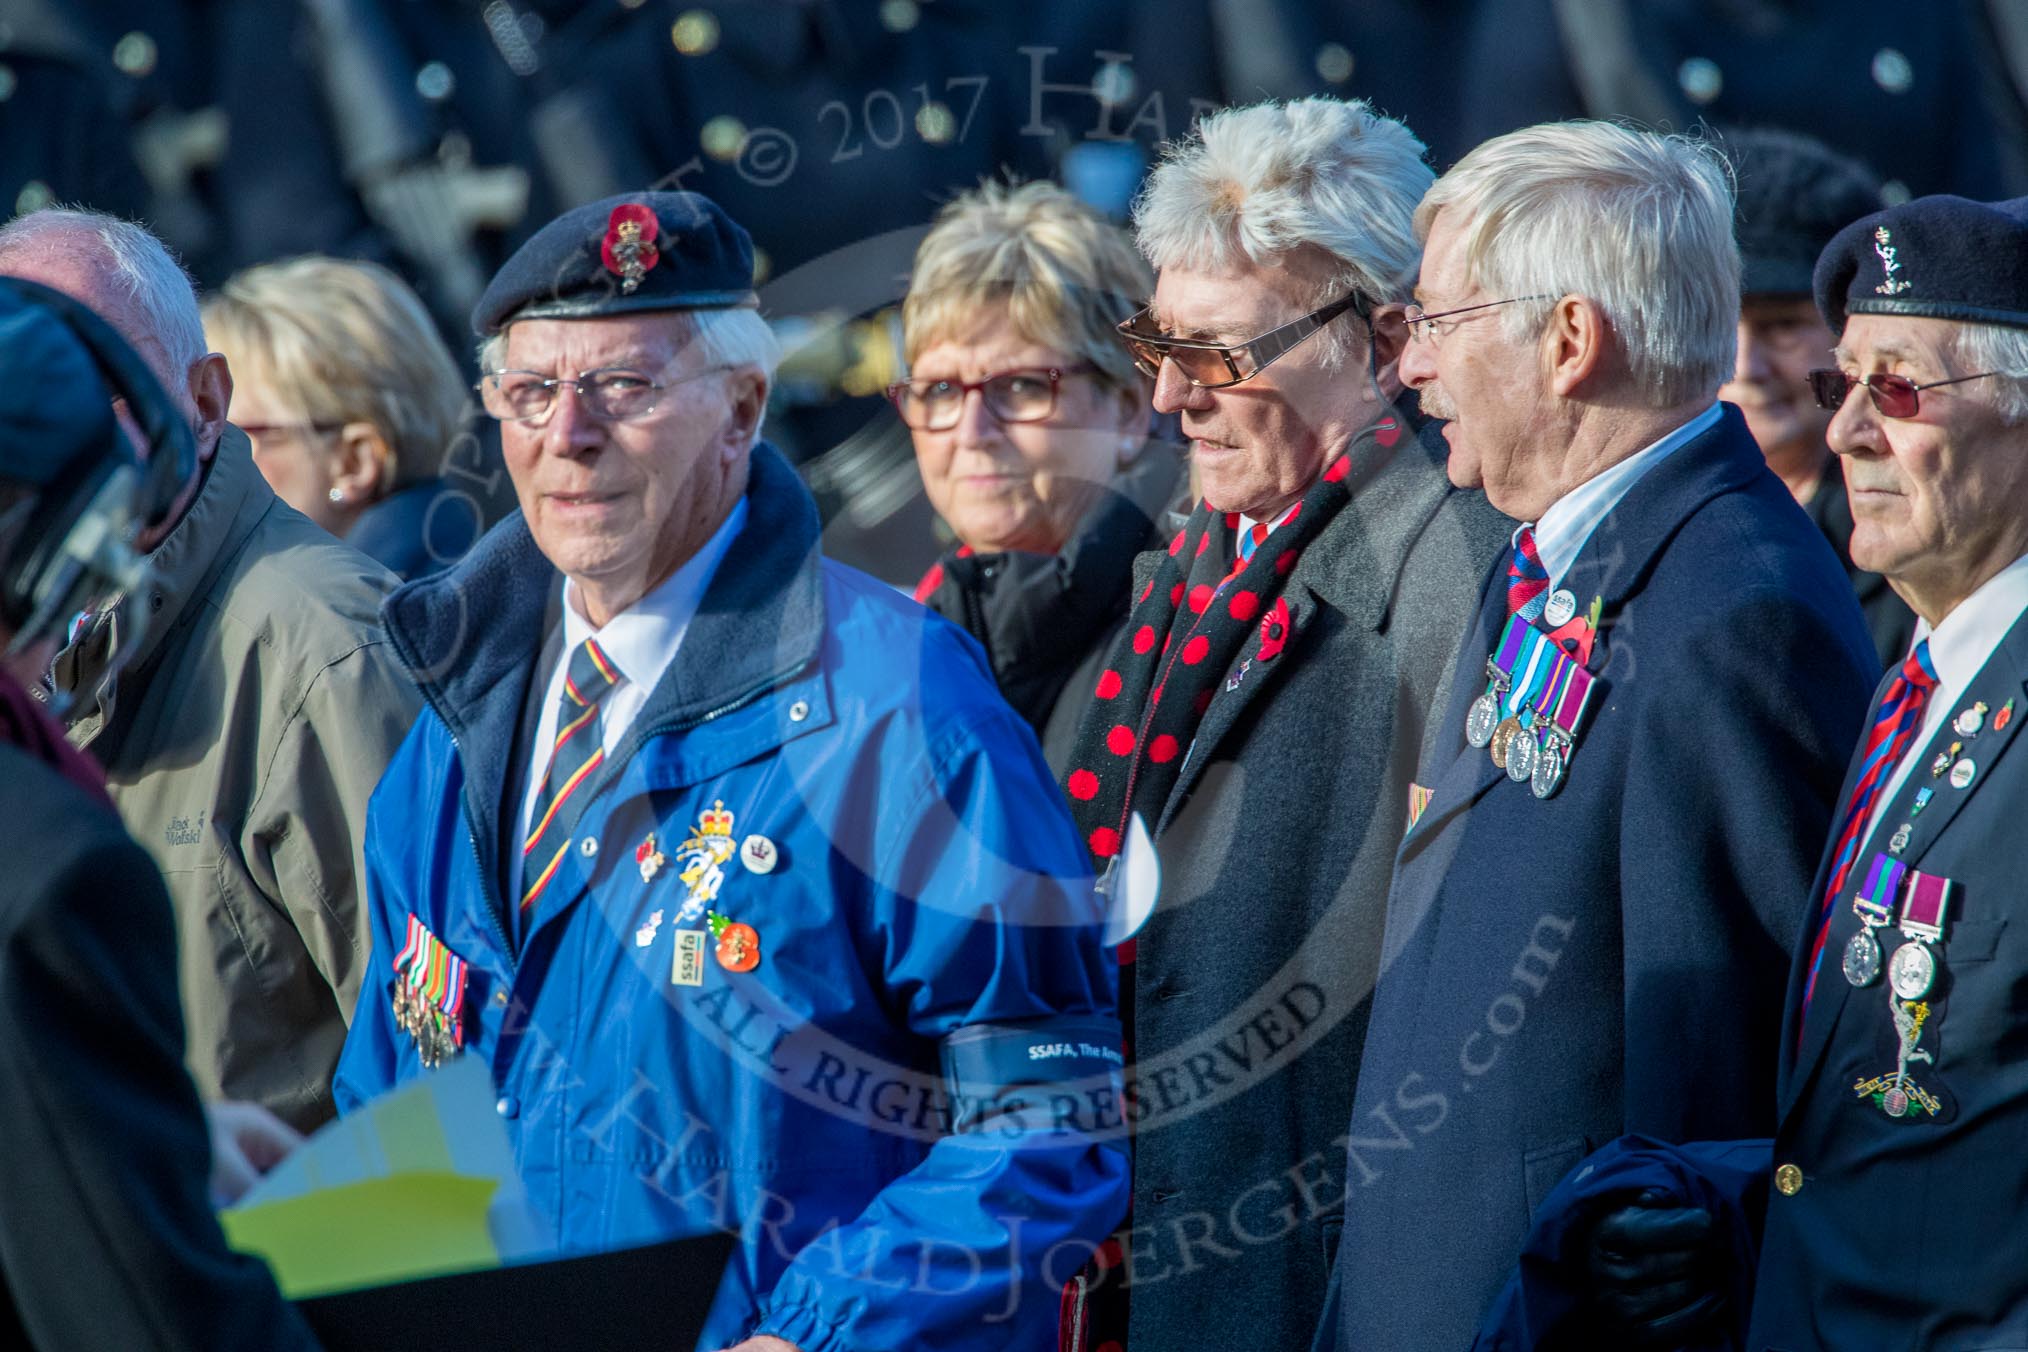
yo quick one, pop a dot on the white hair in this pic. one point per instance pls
(161, 292)
(1998, 347)
(1638, 223)
(1253, 185)
(729, 337)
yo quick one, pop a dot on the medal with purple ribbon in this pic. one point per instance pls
(1484, 715)
(1536, 659)
(1563, 711)
(1873, 902)
(1912, 970)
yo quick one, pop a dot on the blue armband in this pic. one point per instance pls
(1039, 1074)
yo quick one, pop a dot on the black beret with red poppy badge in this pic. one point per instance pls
(639, 251)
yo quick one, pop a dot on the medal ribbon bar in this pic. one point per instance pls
(1929, 897)
(1874, 902)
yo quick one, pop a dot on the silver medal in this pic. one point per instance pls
(1480, 722)
(1549, 768)
(1522, 754)
(1862, 958)
(1911, 971)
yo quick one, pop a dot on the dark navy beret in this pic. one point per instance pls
(1936, 258)
(638, 251)
(54, 405)
(1794, 194)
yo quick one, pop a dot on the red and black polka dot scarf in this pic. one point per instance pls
(1205, 612)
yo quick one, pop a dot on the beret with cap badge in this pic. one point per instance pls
(635, 252)
(1936, 257)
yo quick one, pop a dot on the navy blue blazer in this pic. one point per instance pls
(1907, 1233)
(1558, 972)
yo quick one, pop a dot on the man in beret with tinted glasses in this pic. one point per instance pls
(731, 862)
(1898, 1161)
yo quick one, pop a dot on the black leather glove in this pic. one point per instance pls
(1657, 1273)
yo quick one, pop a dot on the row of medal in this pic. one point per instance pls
(1925, 905)
(1534, 703)
(429, 995)
(1911, 973)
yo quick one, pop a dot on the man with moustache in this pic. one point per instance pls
(1264, 708)
(1640, 747)
(1794, 194)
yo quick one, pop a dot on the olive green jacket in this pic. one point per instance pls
(241, 742)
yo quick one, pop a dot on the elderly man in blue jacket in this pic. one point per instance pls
(757, 899)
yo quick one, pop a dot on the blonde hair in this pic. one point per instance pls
(1254, 185)
(342, 341)
(1064, 275)
(1640, 224)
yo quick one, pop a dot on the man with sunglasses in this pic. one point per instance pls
(1589, 922)
(1898, 1161)
(757, 899)
(1263, 711)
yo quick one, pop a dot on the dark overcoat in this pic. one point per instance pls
(107, 1236)
(1907, 1233)
(1252, 979)
(1562, 971)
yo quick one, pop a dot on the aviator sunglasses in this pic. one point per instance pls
(1894, 396)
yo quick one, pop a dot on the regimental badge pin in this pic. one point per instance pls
(1943, 760)
(1900, 840)
(1232, 681)
(738, 945)
(650, 859)
(701, 861)
(1962, 772)
(1883, 244)
(645, 935)
(1922, 797)
(1970, 721)
(2004, 717)
(759, 854)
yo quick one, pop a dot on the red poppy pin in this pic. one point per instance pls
(1274, 630)
(628, 250)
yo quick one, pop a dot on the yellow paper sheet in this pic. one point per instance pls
(392, 1229)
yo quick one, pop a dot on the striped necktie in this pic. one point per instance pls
(575, 757)
(1250, 539)
(1894, 727)
(1527, 579)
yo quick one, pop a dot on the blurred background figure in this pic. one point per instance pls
(108, 1237)
(1794, 194)
(1030, 426)
(352, 402)
(243, 701)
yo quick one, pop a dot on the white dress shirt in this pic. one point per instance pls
(641, 640)
(1958, 649)
(1563, 529)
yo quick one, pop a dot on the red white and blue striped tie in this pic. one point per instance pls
(574, 758)
(1894, 727)
(1527, 579)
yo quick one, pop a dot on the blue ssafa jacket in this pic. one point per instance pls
(821, 965)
